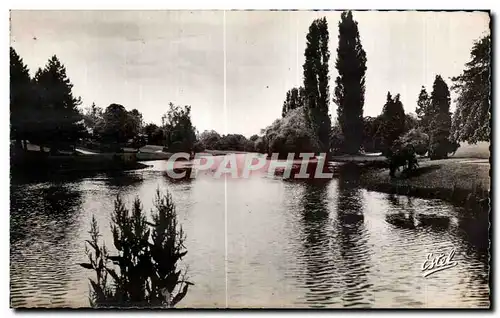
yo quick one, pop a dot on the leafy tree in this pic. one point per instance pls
(423, 109)
(440, 124)
(316, 87)
(117, 125)
(180, 132)
(249, 146)
(418, 139)
(294, 98)
(372, 140)
(92, 117)
(336, 139)
(350, 84)
(291, 134)
(198, 146)
(261, 145)
(210, 139)
(136, 120)
(471, 120)
(144, 272)
(154, 134)
(21, 101)
(235, 142)
(60, 122)
(254, 138)
(411, 122)
(393, 121)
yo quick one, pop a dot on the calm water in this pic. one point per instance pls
(288, 243)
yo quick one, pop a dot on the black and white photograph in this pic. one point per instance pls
(250, 159)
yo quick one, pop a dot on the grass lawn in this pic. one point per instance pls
(453, 179)
(479, 150)
(439, 174)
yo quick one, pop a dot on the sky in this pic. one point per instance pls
(235, 67)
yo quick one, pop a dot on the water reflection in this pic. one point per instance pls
(122, 179)
(407, 218)
(353, 237)
(291, 242)
(43, 222)
(317, 249)
(404, 217)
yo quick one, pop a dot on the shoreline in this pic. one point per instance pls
(463, 183)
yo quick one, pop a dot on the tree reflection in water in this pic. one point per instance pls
(317, 246)
(43, 223)
(123, 179)
(353, 237)
(336, 253)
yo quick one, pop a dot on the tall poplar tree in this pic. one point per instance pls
(316, 78)
(350, 83)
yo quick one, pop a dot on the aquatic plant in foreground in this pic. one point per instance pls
(144, 273)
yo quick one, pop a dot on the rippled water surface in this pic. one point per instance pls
(287, 244)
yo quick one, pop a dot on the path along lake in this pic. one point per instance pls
(282, 243)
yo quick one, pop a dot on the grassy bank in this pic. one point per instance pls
(464, 182)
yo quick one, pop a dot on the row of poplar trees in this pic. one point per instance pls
(470, 122)
(349, 85)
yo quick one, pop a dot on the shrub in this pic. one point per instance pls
(144, 272)
(418, 139)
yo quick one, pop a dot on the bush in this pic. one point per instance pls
(418, 139)
(402, 154)
(144, 271)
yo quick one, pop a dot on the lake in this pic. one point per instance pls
(282, 243)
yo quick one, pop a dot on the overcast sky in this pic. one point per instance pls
(145, 59)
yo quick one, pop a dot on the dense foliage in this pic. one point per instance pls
(295, 98)
(418, 139)
(179, 131)
(316, 78)
(154, 134)
(423, 110)
(350, 84)
(471, 120)
(43, 109)
(291, 134)
(440, 123)
(372, 138)
(21, 100)
(392, 121)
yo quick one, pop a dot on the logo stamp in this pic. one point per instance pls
(436, 262)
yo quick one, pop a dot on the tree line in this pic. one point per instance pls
(306, 124)
(45, 111)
